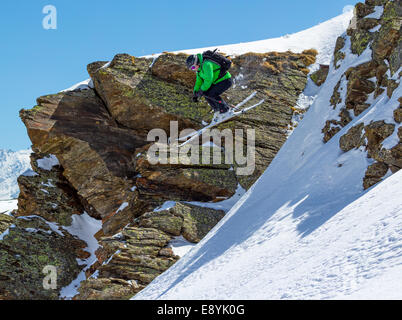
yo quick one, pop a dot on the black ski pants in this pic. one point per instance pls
(213, 95)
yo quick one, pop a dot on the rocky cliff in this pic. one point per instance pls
(375, 32)
(89, 155)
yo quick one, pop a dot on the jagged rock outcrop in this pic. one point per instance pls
(99, 138)
(138, 254)
(376, 26)
(191, 221)
(352, 139)
(94, 152)
(201, 182)
(5, 222)
(48, 195)
(320, 75)
(374, 174)
(339, 54)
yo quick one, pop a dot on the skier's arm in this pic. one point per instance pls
(208, 71)
(198, 83)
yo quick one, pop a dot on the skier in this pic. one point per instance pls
(212, 80)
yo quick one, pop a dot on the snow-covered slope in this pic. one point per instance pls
(358, 249)
(12, 165)
(306, 229)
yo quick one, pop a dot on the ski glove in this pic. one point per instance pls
(197, 95)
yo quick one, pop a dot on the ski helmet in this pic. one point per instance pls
(191, 61)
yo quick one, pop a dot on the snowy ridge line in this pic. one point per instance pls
(83, 85)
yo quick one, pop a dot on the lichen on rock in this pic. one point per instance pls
(27, 249)
(320, 75)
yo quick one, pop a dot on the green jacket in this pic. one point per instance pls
(208, 74)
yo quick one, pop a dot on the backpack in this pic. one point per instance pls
(220, 60)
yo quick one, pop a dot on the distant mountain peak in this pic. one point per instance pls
(12, 165)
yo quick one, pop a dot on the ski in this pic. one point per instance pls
(236, 107)
(215, 123)
(251, 96)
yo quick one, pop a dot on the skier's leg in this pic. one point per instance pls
(216, 92)
(216, 101)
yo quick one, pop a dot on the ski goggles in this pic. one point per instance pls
(194, 66)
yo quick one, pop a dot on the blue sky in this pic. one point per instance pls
(35, 61)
